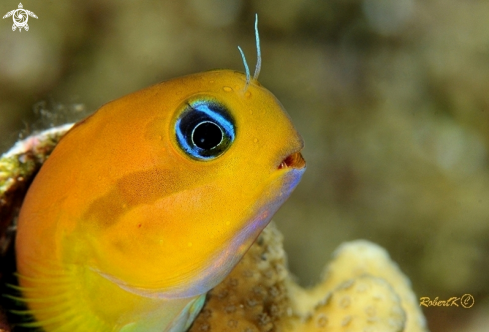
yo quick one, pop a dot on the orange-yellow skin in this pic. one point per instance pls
(122, 231)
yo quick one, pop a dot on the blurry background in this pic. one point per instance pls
(391, 97)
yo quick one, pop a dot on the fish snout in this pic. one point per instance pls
(293, 160)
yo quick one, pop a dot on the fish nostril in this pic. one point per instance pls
(295, 160)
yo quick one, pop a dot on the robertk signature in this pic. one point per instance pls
(466, 301)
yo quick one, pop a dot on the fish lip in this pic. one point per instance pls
(295, 160)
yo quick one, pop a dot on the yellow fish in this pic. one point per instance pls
(150, 202)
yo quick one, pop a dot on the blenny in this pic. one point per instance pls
(149, 203)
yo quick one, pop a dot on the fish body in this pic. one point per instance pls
(147, 204)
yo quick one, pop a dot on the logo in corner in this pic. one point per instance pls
(20, 17)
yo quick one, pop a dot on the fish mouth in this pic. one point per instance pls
(293, 160)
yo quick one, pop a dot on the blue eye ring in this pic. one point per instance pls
(205, 129)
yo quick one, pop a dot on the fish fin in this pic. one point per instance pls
(187, 316)
(50, 300)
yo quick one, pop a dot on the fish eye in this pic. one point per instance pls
(205, 129)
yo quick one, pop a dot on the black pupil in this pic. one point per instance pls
(207, 135)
